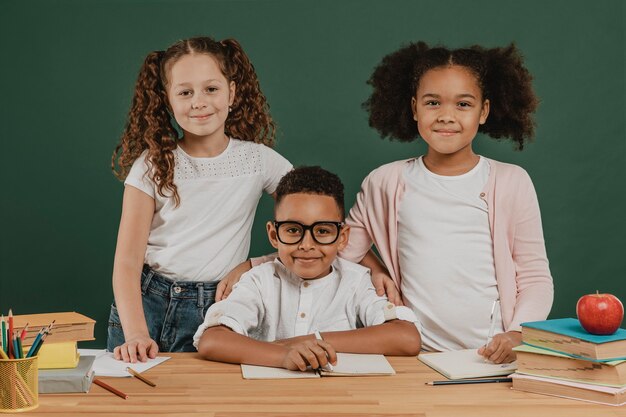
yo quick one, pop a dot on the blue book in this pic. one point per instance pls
(567, 336)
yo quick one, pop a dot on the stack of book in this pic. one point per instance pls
(61, 367)
(558, 357)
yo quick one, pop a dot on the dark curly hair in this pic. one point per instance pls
(150, 124)
(311, 180)
(500, 72)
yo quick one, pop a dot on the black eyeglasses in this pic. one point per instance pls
(324, 233)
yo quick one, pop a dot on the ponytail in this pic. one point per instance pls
(389, 106)
(508, 86)
(149, 127)
(250, 118)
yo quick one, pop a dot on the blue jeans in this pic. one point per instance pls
(173, 311)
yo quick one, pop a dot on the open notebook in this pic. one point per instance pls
(461, 364)
(348, 364)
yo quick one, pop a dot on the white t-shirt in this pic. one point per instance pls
(446, 256)
(270, 303)
(208, 234)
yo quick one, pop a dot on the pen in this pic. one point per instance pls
(110, 388)
(140, 377)
(469, 381)
(328, 366)
(492, 326)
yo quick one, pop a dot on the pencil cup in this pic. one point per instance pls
(18, 385)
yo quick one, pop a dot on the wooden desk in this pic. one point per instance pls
(190, 386)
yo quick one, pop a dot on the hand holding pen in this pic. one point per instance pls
(499, 348)
(312, 353)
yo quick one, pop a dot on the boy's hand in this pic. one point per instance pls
(385, 285)
(225, 287)
(138, 348)
(314, 353)
(500, 348)
(292, 341)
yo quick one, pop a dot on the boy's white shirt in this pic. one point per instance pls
(271, 303)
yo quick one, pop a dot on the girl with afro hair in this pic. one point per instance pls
(459, 234)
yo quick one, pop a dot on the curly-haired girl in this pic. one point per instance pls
(195, 158)
(456, 231)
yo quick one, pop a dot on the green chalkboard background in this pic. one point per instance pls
(67, 71)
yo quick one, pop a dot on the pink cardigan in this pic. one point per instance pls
(521, 264)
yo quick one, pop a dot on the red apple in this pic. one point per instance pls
(600, 313)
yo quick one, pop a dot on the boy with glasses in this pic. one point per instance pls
(273, 314)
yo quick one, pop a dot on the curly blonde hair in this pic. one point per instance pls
(150, 125)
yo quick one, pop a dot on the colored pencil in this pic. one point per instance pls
(18, 342)
(33, 347)
(23, 334)
(110, 388)
(16, 353)
(4, 355)
(4, 336)
(10, 333)
(140, 377)
(43, 339)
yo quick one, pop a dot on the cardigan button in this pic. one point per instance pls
(482, 194)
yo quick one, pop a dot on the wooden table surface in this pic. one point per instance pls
(190, 386)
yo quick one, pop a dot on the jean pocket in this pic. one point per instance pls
(114, 317)
(209, 300)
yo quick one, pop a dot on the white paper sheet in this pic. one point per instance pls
(106, 365)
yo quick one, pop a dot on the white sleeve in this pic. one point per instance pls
(241, 311)
(275, 166)
(373, 309)
(139, 176)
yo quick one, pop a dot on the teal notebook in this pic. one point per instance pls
(571, 327)
(568, 337)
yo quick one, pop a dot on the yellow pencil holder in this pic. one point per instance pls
(18, 385)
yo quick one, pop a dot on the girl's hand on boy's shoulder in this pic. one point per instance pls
(225, 287)
(384, 285)
(314, 353)
(500, 350)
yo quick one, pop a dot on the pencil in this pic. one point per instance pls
(10, 333)
(18, 342)
(23, 335)
(43, 339)
(469, 381)
(16, 352)
(33, 347)
(110, 388)
(140, 377)
(4, 336)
